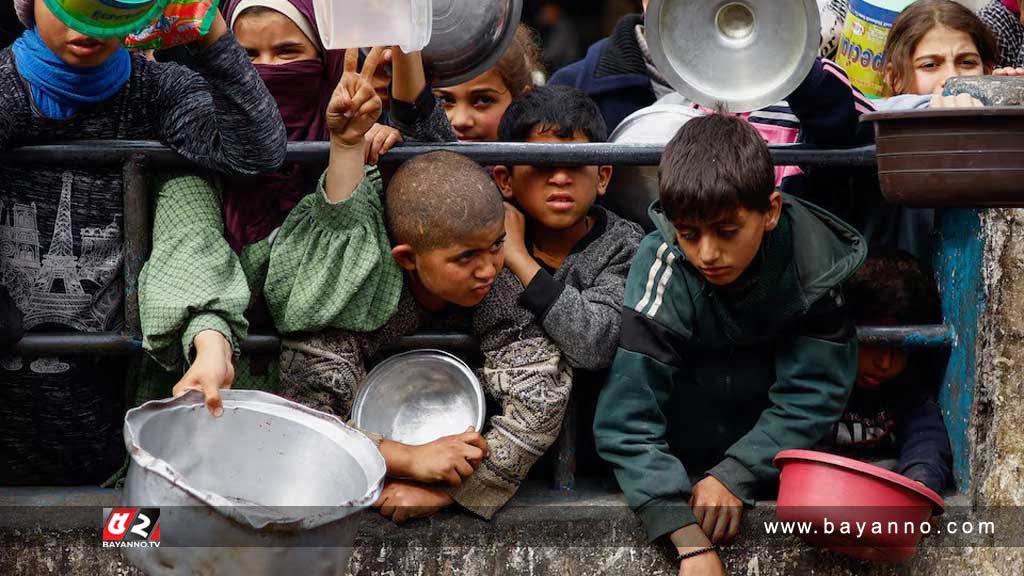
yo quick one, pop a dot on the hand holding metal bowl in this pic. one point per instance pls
(419, 396)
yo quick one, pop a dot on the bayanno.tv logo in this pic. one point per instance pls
(131, 527)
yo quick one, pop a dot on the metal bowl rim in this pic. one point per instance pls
(139, 415)
(652, 23)
(491, 59)
(630, 121)
(364, 390)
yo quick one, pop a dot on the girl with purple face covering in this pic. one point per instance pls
(203, 284)
(284, 45)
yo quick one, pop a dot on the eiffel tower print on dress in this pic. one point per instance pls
(57, 296)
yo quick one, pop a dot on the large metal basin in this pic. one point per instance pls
(269, 488)
(418, 397)
(634, 188)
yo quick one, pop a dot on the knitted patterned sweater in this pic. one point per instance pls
(61, 241)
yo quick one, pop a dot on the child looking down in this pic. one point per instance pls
(736, 343)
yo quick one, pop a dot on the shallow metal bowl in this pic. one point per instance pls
(469, 37)
(419, 396)
(746, 54)
(268, 486)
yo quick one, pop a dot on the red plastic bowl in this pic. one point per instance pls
(854, 508)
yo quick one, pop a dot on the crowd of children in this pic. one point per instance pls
(727, 334)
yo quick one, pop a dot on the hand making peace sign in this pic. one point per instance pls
(354, 106)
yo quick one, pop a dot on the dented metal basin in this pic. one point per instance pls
(269, 487)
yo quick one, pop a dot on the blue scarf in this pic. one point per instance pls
(60, 89)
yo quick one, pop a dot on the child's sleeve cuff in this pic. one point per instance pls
(541, 294)
(663, 516)
(737, 478)
(364, 205)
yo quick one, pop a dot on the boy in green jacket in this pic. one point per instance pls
(736, 343)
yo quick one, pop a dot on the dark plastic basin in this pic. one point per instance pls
(962, 157)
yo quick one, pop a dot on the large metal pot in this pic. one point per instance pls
(634, 188)
(469, 37)
(745, 54)
(419, 396)
(268, 488)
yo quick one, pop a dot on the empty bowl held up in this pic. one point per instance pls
(417, 397)
(854, 508)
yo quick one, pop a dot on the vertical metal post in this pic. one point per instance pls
(136, 239)
(961, 283)
(565, 460)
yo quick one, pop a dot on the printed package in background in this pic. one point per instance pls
(862, 48)
(182, 22)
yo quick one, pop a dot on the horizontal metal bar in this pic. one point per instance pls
(929, 336)
(112, 344)
(110, 152)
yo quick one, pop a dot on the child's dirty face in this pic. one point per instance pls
(723, 248)
(72, 47)
(942, 54)
(876, 366)
(463, 272)
(475, 108)
(272, 38)
(556, 197)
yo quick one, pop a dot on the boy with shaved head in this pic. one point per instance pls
(445, 218)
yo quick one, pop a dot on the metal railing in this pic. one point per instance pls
(139, 158)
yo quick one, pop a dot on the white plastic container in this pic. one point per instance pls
(367, 23)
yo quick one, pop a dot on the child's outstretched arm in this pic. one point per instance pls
(829, 108)
(415, 111)
(219, 115)
(330, 263)
(193, 292)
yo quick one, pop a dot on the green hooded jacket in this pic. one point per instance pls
(717, 380)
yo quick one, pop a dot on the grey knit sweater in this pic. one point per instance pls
(61, 242)
(580, 303)
(522, 371)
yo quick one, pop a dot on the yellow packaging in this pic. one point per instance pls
(862, 49)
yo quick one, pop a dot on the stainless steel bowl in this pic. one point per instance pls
(469, 38)
(746, 54)
(268, 486)
(417, 397)
(634, 188)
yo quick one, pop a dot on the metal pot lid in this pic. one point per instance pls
(745, 54)
(469, 37)
(419, 396)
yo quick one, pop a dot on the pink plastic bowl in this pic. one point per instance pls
(854, 508)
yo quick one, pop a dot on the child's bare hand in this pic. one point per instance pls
(955, 101)
(211, 371)
(379, 140)
(448, 460)
(1008, 72)
(402, 501)
(354, 106)
(717, 509)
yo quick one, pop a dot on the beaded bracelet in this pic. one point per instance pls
(686, 556)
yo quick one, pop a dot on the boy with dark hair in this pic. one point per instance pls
(892, 413)
(447, 224)
(571, 255)
(735, 340)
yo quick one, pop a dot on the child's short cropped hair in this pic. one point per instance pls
(713, 166)
(436, 199)
(892, 287)
(561, 110)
